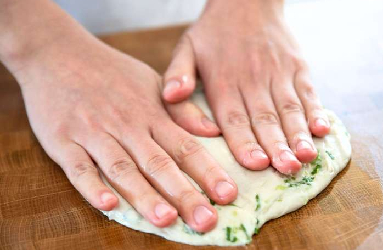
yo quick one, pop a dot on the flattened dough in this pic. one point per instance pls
(263, 195)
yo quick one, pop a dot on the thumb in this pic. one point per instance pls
(179, 79)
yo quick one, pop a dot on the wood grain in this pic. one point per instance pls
(39, 208)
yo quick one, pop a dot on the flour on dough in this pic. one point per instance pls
(263, 195)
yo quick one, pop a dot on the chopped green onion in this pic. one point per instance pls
(243, 228)
(306, 180)
(330, 155)
(280, 187)
(188, 230)
(258, 200)
(232, 204)
(317, 163)
(229, 236)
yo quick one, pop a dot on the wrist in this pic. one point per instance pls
(30, 29)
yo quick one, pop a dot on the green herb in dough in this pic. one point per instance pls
(330, 155)
(317, 163)
(188, 230)
(280, 187)
(243, 228)
(232, 204)
(212, 202)
(306, 180)
(229, 236)
(256, 229)
(316, 169)
(258, 200)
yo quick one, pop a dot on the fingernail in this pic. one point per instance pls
(287, 156)
(207, 123)
(258, 154)
(303, 145)
(223, 189)
(171, 86)
(321, 123)
(161, 210)
(106, 197)
(202, 215)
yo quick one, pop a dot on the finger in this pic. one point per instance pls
(84, 176)
(318, 121)
(163, 173)
(191, 118)
(179, 80)
(194, 160)
(234, 123)
(122, 173)
(293, 120)
(266, 125)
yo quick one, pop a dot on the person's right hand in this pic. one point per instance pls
(95, 109)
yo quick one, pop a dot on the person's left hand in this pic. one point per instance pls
(255, 81)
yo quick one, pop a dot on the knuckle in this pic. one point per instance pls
(187, 147)
(61, 129)
(257, 68)
(268, 118)
(80, 169)
(120, 168)
(159, 164)
(291, 106)
(237, 119)
(223, 86)
(89, 119)
(309, 91)
(299, 62)
(210, 172)
(120, 118)
(93, 124)
(186, 196)
(275, 63)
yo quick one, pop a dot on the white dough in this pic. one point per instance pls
(277, 194)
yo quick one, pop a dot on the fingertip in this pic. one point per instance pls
(287, 163)
(320, 127)
(205, 219)
(307, 155)
(164, 215)
(178, 89)
(198, 126)
(209, 128)
(227, 192)
(291, 167)
(256, 160)
(108, 201)
(305, 151)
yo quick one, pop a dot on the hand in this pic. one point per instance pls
(255, 81)
(95, 109)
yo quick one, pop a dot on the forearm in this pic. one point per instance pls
(28, 28)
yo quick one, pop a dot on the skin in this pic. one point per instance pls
(255, 81)
(96, 110)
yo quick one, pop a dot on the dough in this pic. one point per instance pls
(263, 195)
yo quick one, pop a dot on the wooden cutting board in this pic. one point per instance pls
(39, 208)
